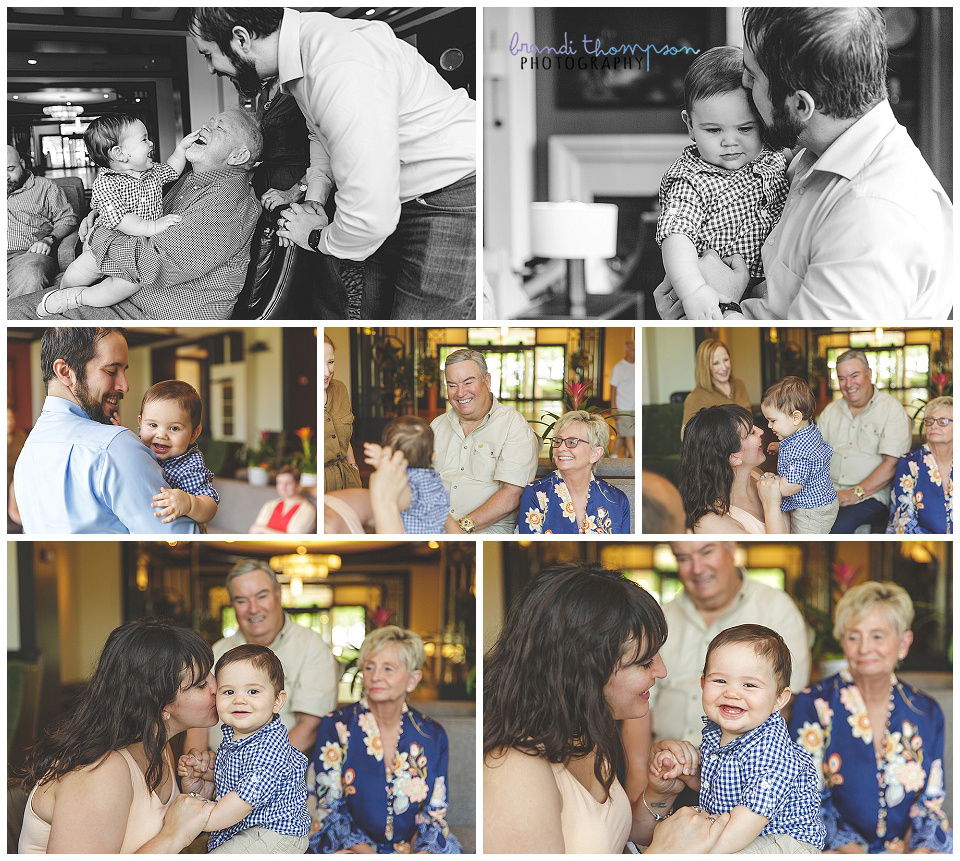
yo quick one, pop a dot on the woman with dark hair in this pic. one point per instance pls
(578, 652)
(723, 490)
(102, 780)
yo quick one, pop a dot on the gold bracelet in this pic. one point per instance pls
(657, 817)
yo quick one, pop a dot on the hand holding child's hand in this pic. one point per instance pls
(165, 223)
(673, 765)
(196, 771)
(703, 304)
(172, 504)
(768, 486)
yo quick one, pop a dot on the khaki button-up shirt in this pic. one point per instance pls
(859, 442)
(501, 448)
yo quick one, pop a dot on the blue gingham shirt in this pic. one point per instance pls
(188, 473)
(429, 503)
(267, 772)
(767, 772)
(804, 459)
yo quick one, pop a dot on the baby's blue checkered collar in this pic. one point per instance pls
(711, 733)
(272, 727)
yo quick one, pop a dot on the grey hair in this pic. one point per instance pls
(408, 644)
(861, 599)
(245, 566)
(595, 426)
(936, 403)
(850, 355)
(466, 355)
(249, 134)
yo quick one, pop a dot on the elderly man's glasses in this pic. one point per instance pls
(570, 441)
(942, 422)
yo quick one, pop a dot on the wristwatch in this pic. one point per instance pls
(730, 306)
(860, 492)
(313, 240)
(466, 524)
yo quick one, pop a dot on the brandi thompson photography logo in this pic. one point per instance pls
(592, 52)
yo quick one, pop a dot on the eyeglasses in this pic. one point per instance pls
(942, 422)
(570, 441)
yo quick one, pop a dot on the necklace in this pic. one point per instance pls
(267, 87)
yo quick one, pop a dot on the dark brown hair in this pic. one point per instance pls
(103, 134)
(76, 345)
(568, 631)
(706, 476)
(414, 437)
(143, 667)
(719, 70)
(183, 393)
(790, 394)
(260, 657)
(767, 644)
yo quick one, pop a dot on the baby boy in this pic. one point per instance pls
(749, 766)
(803, 457)
(727, 191)
(169, 423)
(258, 776)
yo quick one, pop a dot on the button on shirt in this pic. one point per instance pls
(195, 269)
(383, 124)
(267, 772)
(866, 226)
(37, 209)
(501, 448)
(767, 772)
(804, 459)
(860, 441)
(676, 701)
(76, 475)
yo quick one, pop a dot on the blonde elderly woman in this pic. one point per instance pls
(571, 499)
(877, 741)
(921, 500)
(381, 766)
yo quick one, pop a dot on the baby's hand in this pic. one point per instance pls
(172, 504)
(195, 770)
(188, 140)
(161, 224)
(372, 454)
(773, 448)
(703, 304)
(674, 764)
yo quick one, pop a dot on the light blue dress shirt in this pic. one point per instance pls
(75, 475)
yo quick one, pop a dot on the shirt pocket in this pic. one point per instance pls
(788, 285)
(484, 458)
(867, 438)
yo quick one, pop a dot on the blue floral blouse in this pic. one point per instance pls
(920, 503)
(357, 801)
(546, 508)
(872, 801)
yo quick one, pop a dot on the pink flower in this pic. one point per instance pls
(939, 381)
(844, 574)
(577, 393)
(381, 617)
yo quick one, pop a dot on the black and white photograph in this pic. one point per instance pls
(718, 163)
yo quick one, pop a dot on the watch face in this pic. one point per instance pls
(313, 240)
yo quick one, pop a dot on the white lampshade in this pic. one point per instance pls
(573, 230)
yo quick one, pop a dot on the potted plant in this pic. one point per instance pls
(258, 461)
(827, 653)
(577, 400)
(305, 459)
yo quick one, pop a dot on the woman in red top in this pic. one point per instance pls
(291, 514)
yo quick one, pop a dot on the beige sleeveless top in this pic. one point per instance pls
(143, 822)
(750, 524)
(588, 826)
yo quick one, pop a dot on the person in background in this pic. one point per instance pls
(715, 382)
(661, 506)
(339, 462)
(921, 501)
(623, 394)
(15, 440)
(292, 514)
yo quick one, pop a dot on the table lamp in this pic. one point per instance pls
(573, 231)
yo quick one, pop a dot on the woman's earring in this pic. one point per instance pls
(166, 716)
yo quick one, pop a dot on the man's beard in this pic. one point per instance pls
(14, 184)
(92, 407)
(785, 131)
(246, 78)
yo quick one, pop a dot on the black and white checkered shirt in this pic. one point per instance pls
(116, 194)
(196, 269)
(730, 211)
(37, 209)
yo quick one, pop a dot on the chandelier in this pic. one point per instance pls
(63, 113)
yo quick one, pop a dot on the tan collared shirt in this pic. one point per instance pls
(866, 228)
(501, 448)
(676, 701)
(859, 442)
